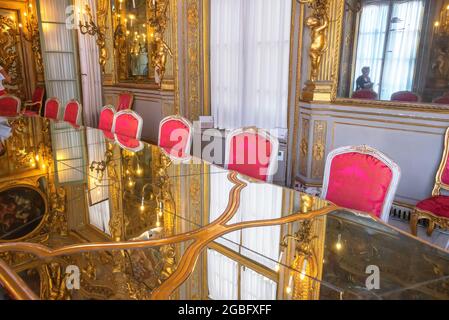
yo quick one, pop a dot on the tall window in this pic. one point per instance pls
(250, 48)
(388, 40)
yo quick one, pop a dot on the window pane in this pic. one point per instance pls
(222, 276)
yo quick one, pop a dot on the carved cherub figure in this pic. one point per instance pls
(159, 57)
(319, 43)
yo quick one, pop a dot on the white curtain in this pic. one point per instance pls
(250, 47)
(90, 72)
(393, 67)
(222, 276)
(99, 216)
(96, 147)
(402, 48)
(256, 287)
(371, 41)
(58, 51)
(68, 147)
(257, 202)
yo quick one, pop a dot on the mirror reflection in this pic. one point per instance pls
(396, 50)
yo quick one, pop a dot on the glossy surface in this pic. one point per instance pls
(140, 226)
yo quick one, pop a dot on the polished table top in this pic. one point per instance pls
(139, 225)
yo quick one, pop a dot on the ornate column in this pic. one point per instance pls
(325, 26)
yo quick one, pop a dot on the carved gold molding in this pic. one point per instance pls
(304, 147)
(319, 148)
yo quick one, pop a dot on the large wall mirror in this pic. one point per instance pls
(132, 39)
(396, 50)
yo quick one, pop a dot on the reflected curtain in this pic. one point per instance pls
(402, 48)
(389, 48)
(250, 51)
(222, 276)
(371, 41)
(58, 51)
(90, 72)
(256, 287)
(257, 202)
(96, 147)
(99, 216)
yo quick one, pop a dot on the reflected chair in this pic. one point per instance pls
(9, 106)
(72, 112)
(405, 96)
(127, 129)
(106, 121)
(33, 107)
(175, 136)
(436, 208)
(252, 152)
(125, 101)
(442, 100)
(52, 108)
(365, 94)
(362, 179)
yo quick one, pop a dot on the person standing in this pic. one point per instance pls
(4, 76)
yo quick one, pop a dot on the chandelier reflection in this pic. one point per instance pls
(441, 26)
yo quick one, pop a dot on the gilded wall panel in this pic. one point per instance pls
(319, 149)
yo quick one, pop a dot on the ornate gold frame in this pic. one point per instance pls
(432, 219)
(44, 217)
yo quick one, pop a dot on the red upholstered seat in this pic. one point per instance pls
(361, 178)
(106, 118)
(34, 106)
(9, 106)
(175, 136)
(129, 143)
(442, 100)
(72, 112)
(405, 96)
(52, 109)
(365, 94)
(128, 123)
(125, 101)
(252, 152)
(438, 205)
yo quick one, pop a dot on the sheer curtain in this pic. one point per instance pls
(250, 47)
(258, 202)
(58, 50)
(256, 287)
(393, 66)
(371, 41)
(90, 72)
(402, 47)
(222, 276)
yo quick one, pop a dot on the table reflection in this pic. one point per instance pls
(139, 225)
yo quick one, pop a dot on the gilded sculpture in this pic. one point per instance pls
(159, 57)
(318, 23)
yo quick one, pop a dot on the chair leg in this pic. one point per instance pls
(430, 228)
(414, 223)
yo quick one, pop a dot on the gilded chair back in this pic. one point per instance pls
(253, 152)
(125, 101)
(73, 112)
(175, 136)
(52, 108)
(442, 177)
(9, 106)
(361, 178)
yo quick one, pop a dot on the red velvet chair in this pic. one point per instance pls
(33, 107)
(252, 152)
(365, 94)
(442, 100)
(128, 128)
(362, 179)
(125, 101)
(107, 121)
(52, 108)
(175, 136)
(405, 96)
(9, 106)
(73, 112)
(436, 208)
